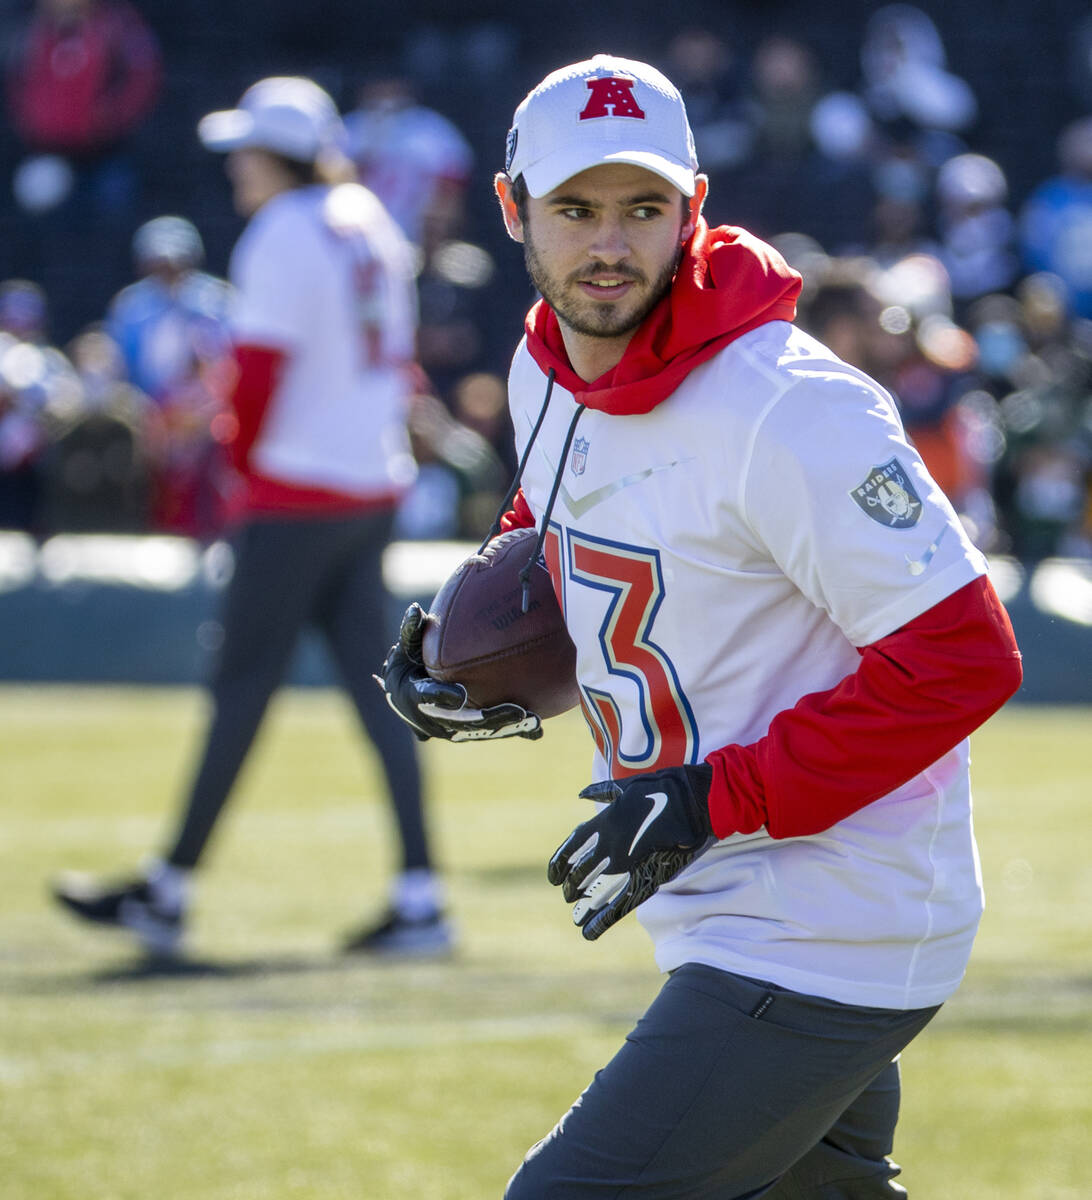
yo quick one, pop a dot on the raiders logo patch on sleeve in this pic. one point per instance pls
(887, 496)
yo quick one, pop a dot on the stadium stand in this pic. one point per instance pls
(1027, 68)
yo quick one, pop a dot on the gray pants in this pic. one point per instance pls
(730, 1088)
(292, 572)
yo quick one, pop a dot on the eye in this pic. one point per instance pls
(575, 213)
(647, 212)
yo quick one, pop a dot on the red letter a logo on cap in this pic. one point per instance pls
(611, 97)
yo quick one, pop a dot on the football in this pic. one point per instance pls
(478, 634)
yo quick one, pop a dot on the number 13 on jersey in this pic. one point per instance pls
(632, 579)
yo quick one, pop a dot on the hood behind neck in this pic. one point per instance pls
(728, 283)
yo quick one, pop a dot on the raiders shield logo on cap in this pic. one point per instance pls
(887, 496)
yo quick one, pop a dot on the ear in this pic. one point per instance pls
(701, 188)
(502, 185)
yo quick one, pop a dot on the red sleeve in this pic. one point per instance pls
(519, 516)
(916, 693)
(259, 369)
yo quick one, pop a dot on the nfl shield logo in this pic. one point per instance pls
(580, 456)
(887, 495)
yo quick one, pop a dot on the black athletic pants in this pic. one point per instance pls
(289, 573)
(730, 1089)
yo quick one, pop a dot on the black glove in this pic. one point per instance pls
(653, 825)
(435, 709)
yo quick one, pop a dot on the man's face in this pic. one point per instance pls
(603, 247)
(256, 177)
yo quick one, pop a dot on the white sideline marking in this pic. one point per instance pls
(374, 1040)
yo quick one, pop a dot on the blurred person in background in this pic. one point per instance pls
(839, 170)
(1035, 362)
(33, 376)
(977, 231)
(24, 311)
(419, 165)
(709, 69)
(323, 324)
(784, 87)
(97, 469)
(174, 312)
(460, 479)
(171, 327)
(1056, 220)
(898, 224)
(918, 116)
(907, 86)
(842, 309)
(414, 159)
(83, 77)
(456, 308)
(481, 403)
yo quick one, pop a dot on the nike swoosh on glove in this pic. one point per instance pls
(653, 825)
(435, 709)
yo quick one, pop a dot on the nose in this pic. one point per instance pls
(609, 245)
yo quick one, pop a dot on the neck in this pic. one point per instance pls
(592, 357)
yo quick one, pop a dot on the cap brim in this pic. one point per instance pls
(551, 172)
(227, 130)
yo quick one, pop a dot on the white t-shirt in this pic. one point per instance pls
(324, 275)
(721, 557)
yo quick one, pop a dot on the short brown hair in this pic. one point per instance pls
(330, 167)
(519, 197)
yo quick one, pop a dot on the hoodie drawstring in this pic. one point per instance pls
(505, 504)
(510, 495)
(544, 524)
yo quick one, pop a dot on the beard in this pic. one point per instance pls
(584, 316)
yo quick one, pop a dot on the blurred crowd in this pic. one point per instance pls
(974, 309)
(125, 428)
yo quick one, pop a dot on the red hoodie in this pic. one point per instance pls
(727, 284)
(916, 693)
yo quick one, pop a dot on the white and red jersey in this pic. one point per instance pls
(719, 557)
(324, 277)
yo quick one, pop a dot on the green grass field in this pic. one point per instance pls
(272, 1068)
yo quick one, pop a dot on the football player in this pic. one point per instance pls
(784, 638)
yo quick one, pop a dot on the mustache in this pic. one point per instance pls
(602, 271)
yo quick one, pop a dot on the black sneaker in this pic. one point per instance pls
(397, 936)
(131, 906)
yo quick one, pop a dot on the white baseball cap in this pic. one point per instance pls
(604, 110)
(286, 114)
